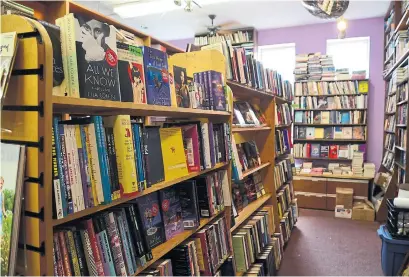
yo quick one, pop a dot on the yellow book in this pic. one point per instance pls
(74, 87)
(363, 87)
(125, 154)
(173, 152)
(319, 133)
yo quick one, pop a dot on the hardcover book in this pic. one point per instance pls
(174, 159)
(97, 59)
(181, 87)
(302, 133)
(153, 155)
(150, 213)
(217, 90)
(319, 133)
(328, 134)
(358, 133)
(317, 117)
(347, 132)
(171, 212)
(192, 145)
(324, 117)
(333, 152)
(131, 74)
(189, 204)
(156, 77)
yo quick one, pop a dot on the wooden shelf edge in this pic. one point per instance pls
(95, 106)
(322, 158)
(252, 170)
(162, 249)
(334, 176)
(249, 210)
(401, 166)
(250, 129)
(156, 187)
(306, 81)
(335, 140)
(250, 92)
(283, 126)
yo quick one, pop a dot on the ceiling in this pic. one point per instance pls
(179, 24)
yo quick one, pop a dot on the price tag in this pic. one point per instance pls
(363, 86)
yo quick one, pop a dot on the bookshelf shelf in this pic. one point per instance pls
(306, 81)
(329, 124)
(397, 64)
(281, 100)
(250, 129)
(282, 156)
(246, 92)
(351, 109)
(401, 125)
(388, 150)
(322, 158)
(389, 132)
(162, 249)
(283, 126)
(252, 170)
(156, 187)
(398, 164)
(332, 140)
(249, 210)
(391, 113)
(330, 95)
(402, 102)
(400, 148)
(335, 176)
(71, 105)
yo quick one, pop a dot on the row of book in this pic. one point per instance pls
(246, 191)
(99, 159)
(389, 141)
(356, 133)
(203, 253)
(403, 92)
(402, 115)
(331, 151)
(390, 106)
(401, 139)
(330, 117)
(283, 141)
(390, 123)
(119, 241)
(329, 103)
(117, 68)
(246, 114)
(236, 37)
(242, 67)
(329, 88)
(285, 196)
(246, 155)
(282, 173)
(289, 220)
(283, 114)
(388, 161)
(314, 66)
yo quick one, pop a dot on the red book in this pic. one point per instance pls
(58, 256)
(64, 251)
(203, 253)
(308, 150)
(333, 152)
(191, 141)
(94, 247)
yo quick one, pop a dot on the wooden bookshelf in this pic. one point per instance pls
(329, 124)
(245, 92)
(322, 110)
(332, 140)
(252, 170)
(330, 81)
(250, 129)
(250, 209)
(322, 159)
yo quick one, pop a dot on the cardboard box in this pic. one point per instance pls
(342, 212)
(363, 210)
(345, 197)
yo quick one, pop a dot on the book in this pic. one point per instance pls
(333, 152)
(315, 150)
(338, 134)
(8, 50)
(151, 219)
(217, 90)
(358, 133)
(174, 159)
(131, 73)
(310, 134)
(328, 132)
(11, 193)
(171, 212)
(156, 77)
(347, 132)
(325, 117)
(319, 133)
(192, 147)
(181, 87)
(115, 244)
(324, 151)
(189, 204)
(152, 153)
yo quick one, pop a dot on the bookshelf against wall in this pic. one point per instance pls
(245, 37)
(393, 170)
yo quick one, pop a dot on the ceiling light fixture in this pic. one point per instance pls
(341, 26)
(136, 9)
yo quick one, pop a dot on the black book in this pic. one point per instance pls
(203, 197)
(113, 166)
(153, 155)
(190, 204)
(80, 252)
(227, 268)
(97, 62)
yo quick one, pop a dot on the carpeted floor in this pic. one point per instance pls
(323, 245)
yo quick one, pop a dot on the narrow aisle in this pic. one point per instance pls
(323, 245)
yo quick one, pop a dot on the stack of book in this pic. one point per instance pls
(328, 88)
(247, 190)
(316, 150)
(283, 141)
(369, 170)
(358, 75)
(340, 133)
(398, 76)
(301, 67)
(314, 67)
(357, 162)
(93, 155)
(342, 74)
(283, 114)
(282, 173)
(246, 115)
(328, 69)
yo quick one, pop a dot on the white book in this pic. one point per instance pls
(76, 170)
(70, 167)
(70, 22)
(236, 158)
(94, 161)
(206, 144)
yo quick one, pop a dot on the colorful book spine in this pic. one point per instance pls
(82, 168)
(80, 253)
(72, 56)
(110, 142)
(94, 247)
(58, 255)
(87, 167)
(56, 181)
(64, 250)
(66, 175)
(209, 92)
(59, 159)
(213, 150)
(103, 247)
(202, 80)
(70, 167)
(115, 244)
(138, 156)
(136, 261)
(126, 251)
(72, 252)
(89, 255)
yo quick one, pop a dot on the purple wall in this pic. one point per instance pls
(312, 38)
(181, 43)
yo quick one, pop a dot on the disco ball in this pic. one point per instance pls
(326, 9)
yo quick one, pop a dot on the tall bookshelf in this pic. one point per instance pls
(396, 56)
(243, 37)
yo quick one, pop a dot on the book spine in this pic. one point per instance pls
(64, 250)
(80, 253)
(82, 166)
(94, 164)
(140, 238)
(64, 163)
(59, 159)
(72, 57)
(135, 148)
(94, 247)
(126, 252)
(212, 145)
(89, 256)
(72, 252)
(141, 157)
(88, 174)
(206, 145)
(76, 168)
(56, 181)
(211, 192)
(70, 166)
(210, 88)
(105, 249)
(205, 253)
(115, 244)
(135, 261)
(110, 141)
(106, 186)
(203, 81)
(58, 255)
(64, 89)
(138, 156)
(145, 157)
(203, 198)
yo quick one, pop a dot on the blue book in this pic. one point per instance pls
(345, 118)
(125, 245)
(103, 158)
(298, 117)
(155, 64)
(60, 167)
(137, 135)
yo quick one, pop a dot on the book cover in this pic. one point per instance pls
(151, 219)
(89, 256)
(247, 115)
(94, 247)
(333, 152)
(315, 150)
(324, 151)
(322, 103)
(298, 117)
(189, 204)
(317, 117)
(137, 260)
(103, 245)
(113, 164)
(204, 197)
(302, 133)
(181, 87)
(156, 77)
(72, 252)
(129, 256)
(310, 133)
(347, 132)
(97, 59)
(319, 133)
(325, 117)
(191, 144)
(328, 132)
(338, 133)
(139, 160)
(345, 118)
(217, 90)
(131, 74)
(80, 252)
(358, 133)
(174, 159)
(153, 155)
(66, 258)
(171, 212)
